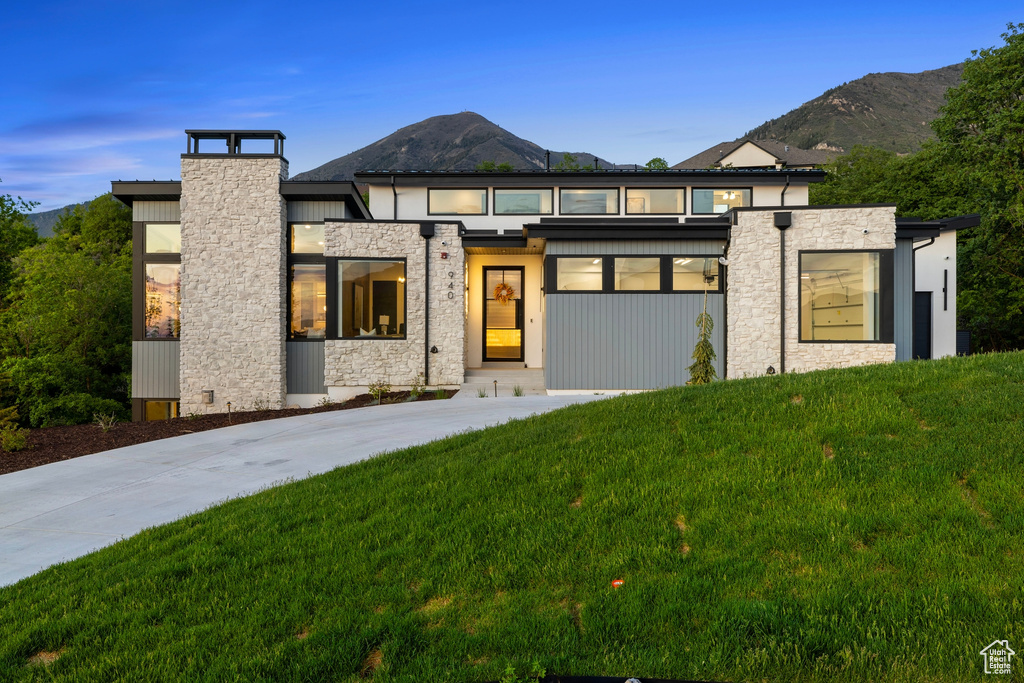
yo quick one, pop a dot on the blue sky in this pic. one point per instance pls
(104, 90)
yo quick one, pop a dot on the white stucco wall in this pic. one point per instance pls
(533, 318)
(753, 287)
(412, 204)
(930, 262)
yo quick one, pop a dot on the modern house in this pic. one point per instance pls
(252, 289)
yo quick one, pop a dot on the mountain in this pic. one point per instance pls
(888, 110)
(45, 220)
(453, 142)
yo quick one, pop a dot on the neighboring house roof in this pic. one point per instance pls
(784, 155)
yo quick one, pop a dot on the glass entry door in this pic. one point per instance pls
(503, 313)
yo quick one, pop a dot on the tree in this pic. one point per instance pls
(656, 164)
(503, 167)
(66, 332)
(703, 370)
(16, 235)
(976, 165)
(570, 163)
(981, 133)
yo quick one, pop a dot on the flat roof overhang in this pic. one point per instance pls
(130, 191)
(601, 178)
(326, 191)
(915, 228)
(627, 229)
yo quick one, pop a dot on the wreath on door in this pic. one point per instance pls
(503, 293)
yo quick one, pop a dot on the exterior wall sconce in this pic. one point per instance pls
(770, 370)
(208, 396)
(433, 349)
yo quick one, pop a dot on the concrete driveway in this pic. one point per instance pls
(61, 511)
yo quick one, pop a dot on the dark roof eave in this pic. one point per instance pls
(602, 177)
(607, 232)
(130, 191)
(953, 223)
(326, 191)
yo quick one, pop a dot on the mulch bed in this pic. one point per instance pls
(53, 444)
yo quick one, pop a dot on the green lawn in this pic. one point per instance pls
(841, 525)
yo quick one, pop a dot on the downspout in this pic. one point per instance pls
(783, 220)
(785, 187)
(426, 232)
(394, 211)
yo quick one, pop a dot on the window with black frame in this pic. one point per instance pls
(842, 296)
(161, 271)
(661, 274)
(715, 201)
(371, 298)
(307, 282)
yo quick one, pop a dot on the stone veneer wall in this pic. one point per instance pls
(360, 362)
(233, 282)
(754, 280)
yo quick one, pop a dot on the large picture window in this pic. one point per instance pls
(512, 202)
(589, 201)
(466, 201)
(163, 301)
(846, 296)
(307, 282)
(656, 200)
(308, 302)
(719, 201)
(371, 299)
(156, 272)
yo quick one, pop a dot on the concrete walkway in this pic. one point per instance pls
(61, 511)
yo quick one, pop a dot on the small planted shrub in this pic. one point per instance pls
(418, 387)
(440, 393)
(518, 391)
(12, 437)
(325, 402)
(703, 370)
(104, 422)
(378, 389)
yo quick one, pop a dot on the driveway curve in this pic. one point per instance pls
(61, 511)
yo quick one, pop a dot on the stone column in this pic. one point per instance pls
(233, 282)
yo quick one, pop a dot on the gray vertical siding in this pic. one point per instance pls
(626, 341)
(315, 212)
(305, 367)
(903, 304)
(155, 369)
(156, 211)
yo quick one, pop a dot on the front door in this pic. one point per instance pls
(503, 313)
(923, 325)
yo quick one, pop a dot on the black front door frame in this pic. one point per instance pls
(518, 314)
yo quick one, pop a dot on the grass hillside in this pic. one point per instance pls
(892, 111)
(848, 525)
